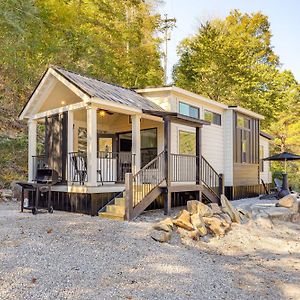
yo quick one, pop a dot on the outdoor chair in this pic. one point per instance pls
(79, 168)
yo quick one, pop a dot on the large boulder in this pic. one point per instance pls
(228, 208)
(164, 225)
(197, 207)
(192, 206)
(16, 190)
(204, 210)
(215, 208)
(226, 218)
(183, 220)
(198, 223)
(289, 201)
(161, 236)
(215, 225)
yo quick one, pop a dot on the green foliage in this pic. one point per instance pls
(232, 61)
(111, 40)
(13, 159)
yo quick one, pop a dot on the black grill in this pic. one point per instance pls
(46, 176)
(44, 179)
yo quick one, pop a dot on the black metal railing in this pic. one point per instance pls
(147, 178)
(182, 167)
(77, 167)
(39, 162)
(210, 177)
(112, 166)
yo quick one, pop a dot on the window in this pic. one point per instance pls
(187, 142)
(261, 155)
(243, 122)
(246, 139)
(212, 117)
(188, 110)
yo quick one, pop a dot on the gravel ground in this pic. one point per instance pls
(73, 256)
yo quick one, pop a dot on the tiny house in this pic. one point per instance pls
(120, 151)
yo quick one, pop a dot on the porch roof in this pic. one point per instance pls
(107, 91)
(178, 118)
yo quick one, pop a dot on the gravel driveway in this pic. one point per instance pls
(73, 256)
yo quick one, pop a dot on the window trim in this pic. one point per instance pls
(213, 113)
(189, 105)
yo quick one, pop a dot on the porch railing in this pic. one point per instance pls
(77, 167)
(147, 178)
(39, 162)
(183, 167)
(112, 166)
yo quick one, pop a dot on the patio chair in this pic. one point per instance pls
(79, 168)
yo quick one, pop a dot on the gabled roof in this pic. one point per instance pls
(266, 135)
(93, 88)
(107, 91)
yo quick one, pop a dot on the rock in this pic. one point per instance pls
(183, 220)
(192, 206)
(289, 201)
(198, 223)
(164, 225)
(204, 210)
(194, 235)
(226, 218)
(279, 213)
(228, 208)
(6, 194)
(215, 208)
(16, 190)
(244, 212)
(161, 236)
(215, 225)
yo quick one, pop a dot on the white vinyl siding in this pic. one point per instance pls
(228, 147)
(266, 175)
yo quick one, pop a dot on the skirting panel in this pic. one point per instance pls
(248, 191)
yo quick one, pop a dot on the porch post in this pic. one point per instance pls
(70, 140)
(91, 145)
(136, 142)
(168, 164)
(198, 160)
(32, 127)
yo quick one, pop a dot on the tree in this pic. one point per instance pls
(232, 61)
(111, 40)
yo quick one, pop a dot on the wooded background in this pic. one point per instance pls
(229, 60)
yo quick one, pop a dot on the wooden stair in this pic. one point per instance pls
(116, 209)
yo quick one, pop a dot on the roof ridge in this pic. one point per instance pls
(94, 78)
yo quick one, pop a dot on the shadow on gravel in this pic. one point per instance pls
(88, 258)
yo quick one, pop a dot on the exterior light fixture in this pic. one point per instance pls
(102, 113)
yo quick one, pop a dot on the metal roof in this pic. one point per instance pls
(106, 91)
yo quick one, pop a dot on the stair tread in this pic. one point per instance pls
(112, 215)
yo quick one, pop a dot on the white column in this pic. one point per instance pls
(91, 145)
(70, 139)
(136, 141)
(75, 136)
(32, 127)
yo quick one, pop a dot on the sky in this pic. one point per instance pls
(284, 17)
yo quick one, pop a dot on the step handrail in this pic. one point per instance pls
(211, 178)
(147, 179)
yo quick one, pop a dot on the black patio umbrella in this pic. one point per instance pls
(284, 156)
